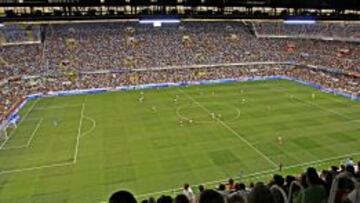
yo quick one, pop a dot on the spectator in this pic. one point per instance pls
(314, 192)
(236, 199)
(201, 189)
(181, 199)
(122, 197)
(211, 196)
(260, 194)
(354, 196)
(165, 199)
(187, 191)
(230, 186)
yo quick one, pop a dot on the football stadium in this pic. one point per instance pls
(180, 101)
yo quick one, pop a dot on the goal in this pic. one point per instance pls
(5, 131)
(3, 134)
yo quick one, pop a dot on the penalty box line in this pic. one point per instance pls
(258, 174)
(69, 163)
(231, 130)
(288, 93)
(21, 121)
(29, 139)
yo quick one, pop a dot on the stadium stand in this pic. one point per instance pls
(73, 56)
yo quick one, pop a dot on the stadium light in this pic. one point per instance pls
(300, 22)
(158, 23)
(2, 25)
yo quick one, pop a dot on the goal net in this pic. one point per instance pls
(4, 131)
(3, 134)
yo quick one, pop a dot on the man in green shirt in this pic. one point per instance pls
(315, 192)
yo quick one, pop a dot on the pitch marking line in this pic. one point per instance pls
(82, 116)
(231, 130)
(79, 134)
(56, 107)
(92, 127)
(178, 113)
(258, 174)
(29, 140)
(35, 168)
(288, 93)
(23, 118)
(324, 109)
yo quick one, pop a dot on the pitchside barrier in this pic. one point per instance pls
(14, 116)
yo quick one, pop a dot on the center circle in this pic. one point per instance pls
(208, 112)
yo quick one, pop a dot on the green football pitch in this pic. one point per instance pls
(83, 148)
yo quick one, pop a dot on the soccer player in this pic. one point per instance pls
(154, 109)
(313, 96)
(175, 101)
(213, 116)
(280, 140)
(181, 123)
(55, 123)
(280, 167)
(269, 108)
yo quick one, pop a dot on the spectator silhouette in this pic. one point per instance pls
(122, 197)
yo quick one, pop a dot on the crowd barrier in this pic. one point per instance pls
(14, 117)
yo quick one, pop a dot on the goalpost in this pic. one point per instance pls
(3, 134)
(5, 129)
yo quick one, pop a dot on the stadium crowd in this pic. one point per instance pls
(90, 55)
(348, 31)
(94, 46)
(334, 185)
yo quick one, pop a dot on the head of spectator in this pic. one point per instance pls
(251, 185)
(222, 187)
(312, 177)
(211, 196)
(342, 168)
(289, 179)
(201, 188)
(334, 169)
(236, 199)
(260, 194)
(165, 199)
(350, 169)
(240, 187)
(303, 180)
(278, 180)
(181, 199)
(122, 197)
(151, 200)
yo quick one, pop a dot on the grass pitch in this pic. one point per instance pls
(82, 148)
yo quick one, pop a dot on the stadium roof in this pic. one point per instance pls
(209, 8)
